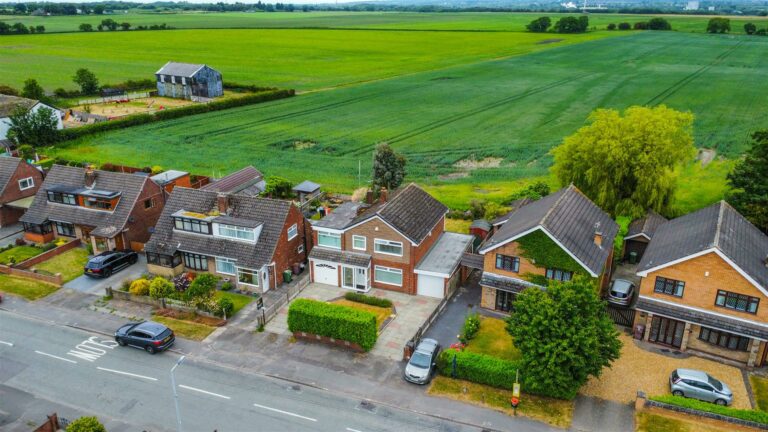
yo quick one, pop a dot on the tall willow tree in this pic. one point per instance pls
(625, 162)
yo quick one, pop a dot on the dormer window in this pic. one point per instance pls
(192, 225)
(236, 232)
(97, 203)
(62, 198)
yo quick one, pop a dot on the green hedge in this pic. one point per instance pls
(742, 414)
(479, 368)
(369, 300)
(334, 321)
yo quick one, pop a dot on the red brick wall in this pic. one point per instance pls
(138, 230)
(48, 255)
(422, 249)
(286, 252)
(12, 192)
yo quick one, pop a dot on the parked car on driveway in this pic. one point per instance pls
(699, 385)
(106, 263)
(621, 292)
(421, 366)
(148, 335)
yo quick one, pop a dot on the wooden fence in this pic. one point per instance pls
(106, 99)
(411, 344)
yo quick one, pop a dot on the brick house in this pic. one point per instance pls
(704, 286)
(397, 244)
(246, 239)
(107, 210)
(571, 234)
(19, 182)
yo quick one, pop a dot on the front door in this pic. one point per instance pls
(119, 244)
(667, 331)
(504, 301)
(354, 278)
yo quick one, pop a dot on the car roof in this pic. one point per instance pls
(151, 327)
(692, 374)
(427, 345)
(621, 285)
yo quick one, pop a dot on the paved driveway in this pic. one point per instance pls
(411, 311)
(9, 234)
(96, 286)
(446, 328)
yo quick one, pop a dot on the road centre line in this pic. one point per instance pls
(56, 357)
(285, 412)
(204, 391)
(6, 343)
(353, 430)
(126, 373)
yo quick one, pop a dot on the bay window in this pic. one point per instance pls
(247, 276)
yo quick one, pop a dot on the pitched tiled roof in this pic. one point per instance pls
(9, 103)
(718, 226)
(568, 216)
(8, 166)
(105, 223)
(236, 182)
(306, 187)
(645, 226)
(180, 69)
(516, 204)
(505, 283)
(342, 257)
(271, 213)
(411, 211)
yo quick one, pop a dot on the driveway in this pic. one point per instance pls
(446, 328)
(411, 312)
(9, 234)
(96, 286)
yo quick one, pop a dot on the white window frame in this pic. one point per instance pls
(162, 78)
(300, 249)
(377, 269)
(31, 183)
(356, 278)
(359, 237)
(253, 272)
(237, 230)
(226, 260)
(329, 234)
(295, 229)
(377, 242)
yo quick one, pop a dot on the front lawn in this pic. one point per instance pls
(70, 264)
(18, 254)
(186, 329)
(553, 411)
(381, 313)
(760, 389)
(27, 288)
(492, 339)
(238, 300)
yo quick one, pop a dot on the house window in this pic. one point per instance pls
(149, 203)
(225, 266)
(62, 198)
(192, 225)
(162, 78)
(65, 229)
(293, 231)
(559, 275)
(725, 340)
(236, 232)
(184, 80)
(389, 276)
(508, 263)
(195, 261)
(358, 242)
(388, 247)
(300, 249)
(26, 183)
(739, 302)
(44, 228)
(328, 239)
(163, 260)
(98, 203)
(248, 277)
(173, 79)
(669, 286)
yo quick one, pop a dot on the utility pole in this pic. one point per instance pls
(176, 394)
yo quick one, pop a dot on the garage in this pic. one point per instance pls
(430, 286)
(326, 273)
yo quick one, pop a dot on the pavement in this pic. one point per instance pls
(96, 286)
(9, 234)
(593, 414)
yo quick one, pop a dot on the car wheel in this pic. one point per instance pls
(120, 341)
(720, 402)
(133, 260)
(150, 349)
(677, 393)
(107, 273)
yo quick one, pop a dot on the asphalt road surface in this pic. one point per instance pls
(90, 373)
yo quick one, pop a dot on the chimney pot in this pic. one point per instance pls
(599, 238)
(90, 175)
(383, 195)
(369, 197)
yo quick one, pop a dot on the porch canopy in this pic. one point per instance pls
(22, 204)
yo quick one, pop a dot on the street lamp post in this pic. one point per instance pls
(176, 394)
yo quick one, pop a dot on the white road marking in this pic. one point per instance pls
(6, 343)
(56, 357)
(126, 373)
(203, 391)
(353, 430)
(285, 412)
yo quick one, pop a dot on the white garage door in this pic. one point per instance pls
(430, 286)
(326, 273)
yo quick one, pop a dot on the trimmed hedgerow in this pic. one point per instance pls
(334, 321)
(479, 368)
(369, 300)
(742, 414)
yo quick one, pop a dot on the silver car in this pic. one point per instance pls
(621, 292)
(699, 385)
(422, 363)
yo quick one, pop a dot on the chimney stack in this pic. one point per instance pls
(369, 197)
(383, 195)
(598, 235)
(222, 201)
(90, 176)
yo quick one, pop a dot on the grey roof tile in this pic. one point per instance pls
(341, 216)
(9, 103)
(8, 166)
(237, 181)
(339, 256)
(179, 69)
(647, 225)
(306, 187)
(505, 283)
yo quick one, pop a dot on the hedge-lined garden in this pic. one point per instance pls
(369, 300)
(334, 321)
(756, 416)
(479, 368)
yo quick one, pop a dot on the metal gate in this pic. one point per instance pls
(621, 316)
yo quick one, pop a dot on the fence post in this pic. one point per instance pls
(109, 291)
(162, 302)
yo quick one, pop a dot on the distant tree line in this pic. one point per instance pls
(652, 24)
(19, 28)
(569, 24)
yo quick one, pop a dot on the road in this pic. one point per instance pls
(90, 374)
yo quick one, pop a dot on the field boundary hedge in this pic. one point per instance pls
(753, 418)
(478, 368)
(333, 321)
(140, 119)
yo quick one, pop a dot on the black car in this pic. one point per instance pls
(106, 263)
(151, 336)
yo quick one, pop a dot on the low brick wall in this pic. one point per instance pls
(27, 274)
(329, 341)
(160, 303)
(45, 256)
(642, 402)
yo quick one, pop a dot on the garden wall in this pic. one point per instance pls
(55, 279)
(45, 256)
(160, 303)
(643, 403)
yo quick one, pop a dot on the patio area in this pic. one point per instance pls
(411, 312)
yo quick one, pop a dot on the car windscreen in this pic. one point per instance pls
(94, 264)
(420, 360)
(619, 294)
(715, 383)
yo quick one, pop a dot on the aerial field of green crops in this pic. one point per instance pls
(471, 130)
(477, 21)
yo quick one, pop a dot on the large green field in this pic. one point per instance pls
(512, 109)
(365, 20)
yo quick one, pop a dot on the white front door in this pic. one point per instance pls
(354, 278)
(326, 273)
(430, 286)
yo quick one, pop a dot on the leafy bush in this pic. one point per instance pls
(749, 415)
(201, 289)
(334, 321)
(471, 327)
(181, 283)
(125, 285)
(48, 246)
(369, 300)
(225, 307)
(227, 286)
(160, 287)
(625, 26)
(139, 287)
(479, 368)
(86, 424)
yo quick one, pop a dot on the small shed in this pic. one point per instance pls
(189, 81)
(480, 228)
(307, 191)
(639, 234)
(172, 178)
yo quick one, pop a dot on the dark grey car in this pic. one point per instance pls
(148, 335)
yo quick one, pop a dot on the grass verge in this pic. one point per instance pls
(238, 300)
(19, 254)
(756, 416)
(27, 288)
(70, 264)
(186, 329)
(493, 339)
(653, 422)
(552, 411)
(760, 390)
(380, 312)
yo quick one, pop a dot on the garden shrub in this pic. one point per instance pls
(201, 289)
(369, 300)
(125, 285)
(86, 424)
(471, 327)
(48, 246)
(160, 287)
(225, 307)
(334, 321)
(478, 368)
(139, 287)
(181, 283)
(227, 286)
(756, 416)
